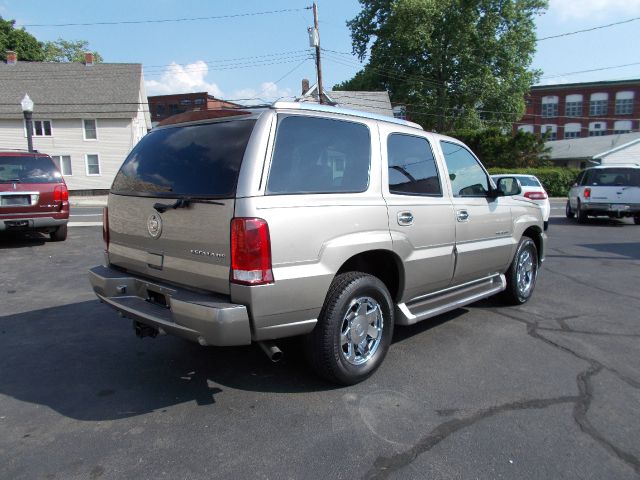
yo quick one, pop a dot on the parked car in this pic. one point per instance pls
(606, 190)
(293, 221)
(532, 190)
(33, 195)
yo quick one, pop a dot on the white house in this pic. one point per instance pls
(87, 116)
(585, 152)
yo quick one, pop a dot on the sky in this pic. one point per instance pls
(259, 51)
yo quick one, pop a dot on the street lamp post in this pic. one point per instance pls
(27, 110)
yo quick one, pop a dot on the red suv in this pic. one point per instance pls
(33, 195)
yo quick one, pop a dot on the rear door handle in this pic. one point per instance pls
(405, 218)
(462, 216)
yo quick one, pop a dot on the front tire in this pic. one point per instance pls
(522, 273)
(354, 329)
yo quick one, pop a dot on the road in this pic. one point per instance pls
(546, 390)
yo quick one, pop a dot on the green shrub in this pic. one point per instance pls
(556, 180)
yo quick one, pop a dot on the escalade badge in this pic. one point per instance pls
(154, 225)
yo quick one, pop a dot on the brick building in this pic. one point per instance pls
(164, 106)
(576, 110)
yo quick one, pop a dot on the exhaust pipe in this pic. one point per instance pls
(143, 330)
(271, 350)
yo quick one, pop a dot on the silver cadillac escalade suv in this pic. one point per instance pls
(232, 227)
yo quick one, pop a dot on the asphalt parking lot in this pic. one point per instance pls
(548, 390)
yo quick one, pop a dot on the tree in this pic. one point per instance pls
(20, 41)
(453, 63)
(67, 51)
(503, 150)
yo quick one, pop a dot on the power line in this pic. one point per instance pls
(599, 27)
(166, 20)
(556, 75)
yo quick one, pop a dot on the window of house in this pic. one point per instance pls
(526, 128)
(90, 129)
(412, 167)
(598, 104)
(468, 178)
(40, 128)
(400, 111)
(597, 129)
(185, 102)
(624, 103)
(550, 106)
(93, 164)
(622, 126)
(573, 105)
(160, 110)
(198, 101)
(550, 131)
(63, 162)
(572, 130)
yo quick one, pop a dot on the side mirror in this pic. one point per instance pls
(508, 187)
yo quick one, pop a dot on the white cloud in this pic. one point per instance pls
(183, 79)
(268, 91)
(582, 9)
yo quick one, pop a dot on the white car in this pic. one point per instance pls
(532, 190)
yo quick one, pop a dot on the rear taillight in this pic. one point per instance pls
(536, 195)
(105, 227)
(250, 252)
(60, 194)
(587, 193)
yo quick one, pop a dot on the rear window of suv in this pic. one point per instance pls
(192, 160)
(28, 169)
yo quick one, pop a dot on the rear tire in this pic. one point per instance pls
(522, 274)
(581, 214)
(59, 234)
(568, 212)
(354, 329)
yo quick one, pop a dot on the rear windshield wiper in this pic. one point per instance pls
(182, 203)
(9, 180)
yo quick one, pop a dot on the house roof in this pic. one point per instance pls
(590, 147)
(71, 90)
(372, 102)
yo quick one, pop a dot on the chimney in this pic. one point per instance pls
(88, 59)
(305, 86)
(12, 57)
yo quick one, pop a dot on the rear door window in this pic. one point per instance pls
(319, 155)
(412, 167)
(193, 160)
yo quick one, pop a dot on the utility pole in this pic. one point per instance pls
(316, 42)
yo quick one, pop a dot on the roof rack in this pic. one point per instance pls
(316, 107)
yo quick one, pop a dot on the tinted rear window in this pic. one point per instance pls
(196, 160)
(614, 177)
(528, 181)
(25, 169)
(319, 155)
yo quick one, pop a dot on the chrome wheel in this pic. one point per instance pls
(525, 273)
(361, 330)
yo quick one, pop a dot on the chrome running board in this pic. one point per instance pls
(427, 306)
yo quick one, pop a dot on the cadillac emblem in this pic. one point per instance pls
(154, 225)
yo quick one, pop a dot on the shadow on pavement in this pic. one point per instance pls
(85, 362)
(22, 239)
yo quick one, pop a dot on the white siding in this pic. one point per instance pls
(116, 138)
(630, 154)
